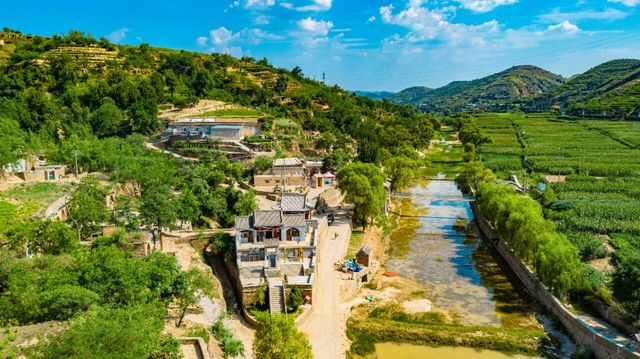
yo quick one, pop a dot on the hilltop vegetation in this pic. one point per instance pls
(608, 90)
(502, 91)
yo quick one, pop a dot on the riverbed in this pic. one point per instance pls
(438, 246)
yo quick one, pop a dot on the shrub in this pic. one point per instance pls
(295, 299)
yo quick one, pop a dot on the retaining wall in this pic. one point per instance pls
(581, 332)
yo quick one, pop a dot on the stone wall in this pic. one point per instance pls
(579, 331)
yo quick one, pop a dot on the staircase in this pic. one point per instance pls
(276, 299)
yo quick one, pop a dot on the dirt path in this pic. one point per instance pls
(325, 327)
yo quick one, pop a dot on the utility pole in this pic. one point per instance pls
(75, 154)
(324, 77)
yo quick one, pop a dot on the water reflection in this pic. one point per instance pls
(458, 273)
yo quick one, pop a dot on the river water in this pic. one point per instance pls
(438, 246)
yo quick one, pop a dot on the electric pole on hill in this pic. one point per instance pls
(324, 77)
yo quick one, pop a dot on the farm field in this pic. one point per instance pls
(596, 203)
(22, 202)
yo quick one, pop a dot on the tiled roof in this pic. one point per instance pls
(267, 218)
(243, 222)
(293, 220)
(293, 202)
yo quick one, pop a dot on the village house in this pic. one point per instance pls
(275, 250)
(34, 169)
(296, 203)
(210, 127)
(293, 172)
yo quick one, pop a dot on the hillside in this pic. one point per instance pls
(410, 96)
(611, 89)
(502, 91)
(374, 95)
(74, 84)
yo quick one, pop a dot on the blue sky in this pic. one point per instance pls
(368, 44)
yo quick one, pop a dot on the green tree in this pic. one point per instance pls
(107, 119)
(473, 173)
(87, 209)
(336, 159)
(626, 282)
(193, 286)
(132, 332)
(278, 338)
(246, 204)
(295, 299)
(263, 163)
(158, 206)
(400, 171)
(12, 144)
(281, 84)
(188, 207)
(44, 237)
(297, 72)
(363, 186)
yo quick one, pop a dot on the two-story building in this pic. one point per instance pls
(277, 250)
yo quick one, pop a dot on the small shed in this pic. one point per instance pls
(363, 256)
(329, 178)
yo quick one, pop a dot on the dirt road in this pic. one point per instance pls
(333, 292)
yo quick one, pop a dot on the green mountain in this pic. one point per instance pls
(502, 91)
(410, 96)
(609, 90)
(374, 95)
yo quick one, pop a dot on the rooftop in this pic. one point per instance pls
(291, 161)
(292, 202)
(272, 218)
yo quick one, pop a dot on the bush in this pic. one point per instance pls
(295, 299)
(199, 332)
(588, 245)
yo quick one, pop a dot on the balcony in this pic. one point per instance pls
(271, 242)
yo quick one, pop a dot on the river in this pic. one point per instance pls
(455, 268)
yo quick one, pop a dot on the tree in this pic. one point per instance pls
(126, 333)
(193, 285)
(626, 282)
(473, 173)
(281, 84)
(278, 338)
(295, 299)
(470, 133)
(263, 163)
(297, 72)
(336, 159)
(87, 209)
(158, 206)
(11, 142)
(106, 120)
(363, 186)
(246, 204)
(188, 207)
(400, 171)
(45, 237)
(469, 152)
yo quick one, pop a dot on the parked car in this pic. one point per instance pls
(331, 218)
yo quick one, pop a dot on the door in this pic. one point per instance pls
(272, 260)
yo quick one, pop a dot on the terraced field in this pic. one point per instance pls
(597, 201)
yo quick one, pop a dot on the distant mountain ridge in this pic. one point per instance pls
(374, 95)
(609, 90)
(502, 91)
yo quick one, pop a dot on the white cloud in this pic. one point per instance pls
(258, 4)
(316, 5)
(484, 5)
(609, 14)
(262, 20)
(371, 19)
(227, 41)
(315, 27)
(427, 24)
(629, 3)
(221, 36)
(118, 35)
(565, 27)
(202, 41)
(313, 33)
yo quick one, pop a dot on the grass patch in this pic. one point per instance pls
(22, 202)
(355, 242)
(391, 324)
(199, 332)
(233, 113)
(445, 159)
(286, 123)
